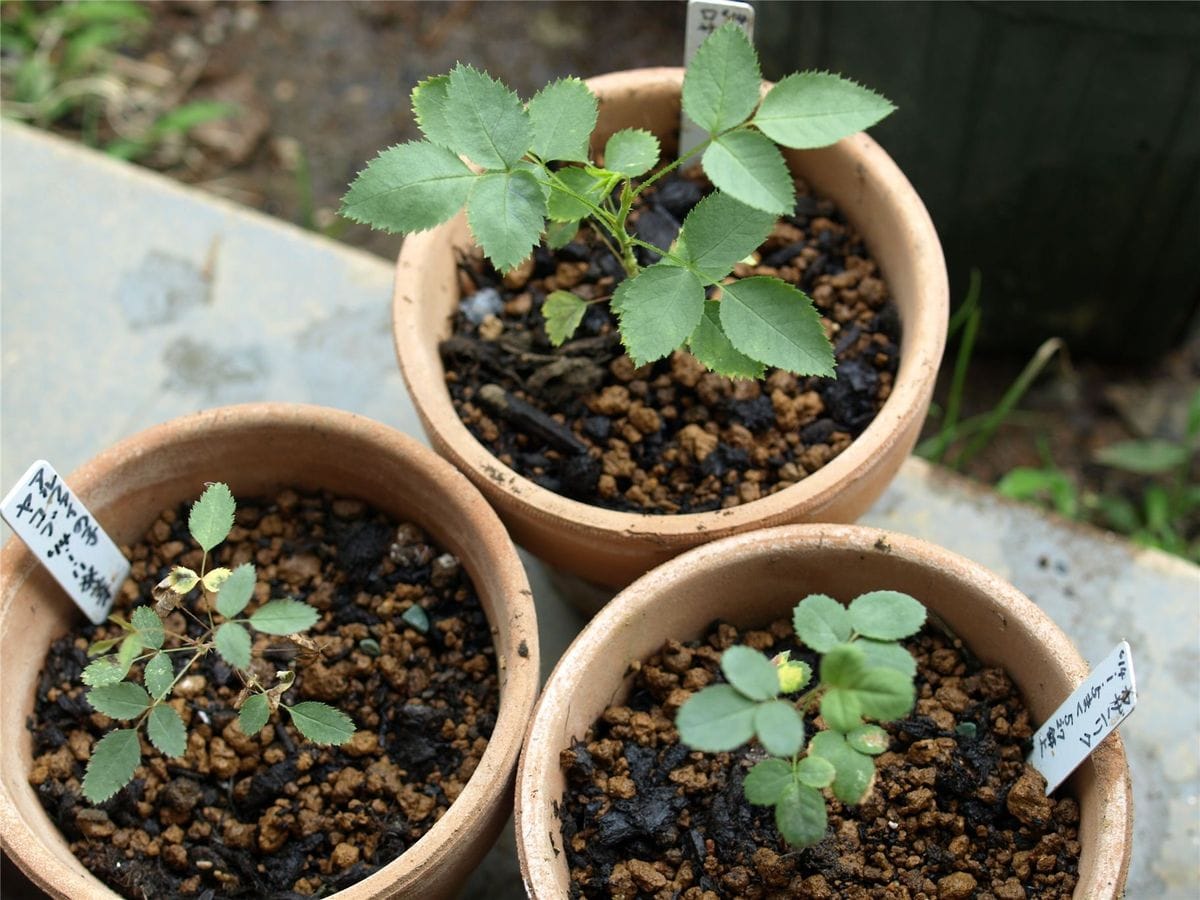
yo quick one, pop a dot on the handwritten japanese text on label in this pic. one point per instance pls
(66, 539)
(1087, 717)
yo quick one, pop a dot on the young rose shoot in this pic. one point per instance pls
(530, 179)
(863, 673)
(147, 640)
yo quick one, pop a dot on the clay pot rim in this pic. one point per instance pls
(520, 685)
(919, 366)
(534, 822)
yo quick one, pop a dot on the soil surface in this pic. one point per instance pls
(272, 815)
(669, 437)
(954, 811)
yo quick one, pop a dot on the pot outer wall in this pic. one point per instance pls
(612, 548)
(259, 449)
(750, 580)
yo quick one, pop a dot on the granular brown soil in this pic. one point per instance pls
(273, 815)
(954, 811)
(669, 437)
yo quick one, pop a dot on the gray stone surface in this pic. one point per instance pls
(126, 299)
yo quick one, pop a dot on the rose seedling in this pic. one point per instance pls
(524, 173)
(148, 640)
(863, 674)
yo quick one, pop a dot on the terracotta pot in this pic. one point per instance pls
(258, 449)
(754, 578)
(612, 548)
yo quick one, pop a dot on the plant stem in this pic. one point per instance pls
(670, 167)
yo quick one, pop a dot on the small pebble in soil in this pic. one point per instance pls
(271, 815)
(953, 813)
(669, 437)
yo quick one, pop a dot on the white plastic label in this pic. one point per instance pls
(1088, 716)
(703, 18)
(66, 538)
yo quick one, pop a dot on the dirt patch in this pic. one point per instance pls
(954, 811)
(272, 814)
(669, 437)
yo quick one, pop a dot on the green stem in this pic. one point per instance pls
(671, 167)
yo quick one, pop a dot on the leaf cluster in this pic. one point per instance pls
(530, 178)
(863, 674)
(146, 639)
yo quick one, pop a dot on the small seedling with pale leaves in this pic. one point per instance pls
(863, 673)
(533, 180)
(148, 640)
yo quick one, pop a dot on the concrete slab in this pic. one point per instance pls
(128, 299)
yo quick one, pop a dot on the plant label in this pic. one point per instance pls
(61, 532)
(1088, 716)
(703, 18)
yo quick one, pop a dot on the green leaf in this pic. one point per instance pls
(563, 311)
(869, 739)
(211, 517)
(181, 579)
(816, 109)
(750, 672)
(507, 214)
(815, 771)
(631, 151)
(165, 730)
(233, 643)
(253, 715)
(842, 665)
(429, 109)
(722, 82)
(779, 727)
(800, 815)
(711, 347)
(794, 674)
(854, 770)
(719, 232)
(563, 114)
(114, 759)
(772, 321)
(284, 617)
(766, 782)
(158, 675)
(565, 208)
(129, 650)
(488, 123)
(887, 655)
(886, 615)
(149, 626)
(559, 234)
(659, 308)
(237, 590)
(104, 671)
(416, 616)
(409, 187)
(1148, 457)
(885, 694)
(321, 723)
(820, 622)
(214, 578)
(119, 701)
(716, 719)
(750, 168)
(841, 709)
(98, 647)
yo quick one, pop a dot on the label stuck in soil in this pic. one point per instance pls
(703, 18)
(1087, 717)
(66, 538)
